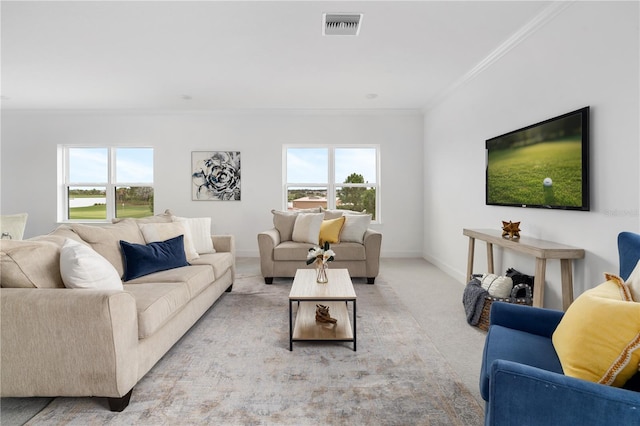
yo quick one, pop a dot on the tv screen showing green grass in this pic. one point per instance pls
(545, 165)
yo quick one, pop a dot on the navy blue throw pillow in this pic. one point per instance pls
(140, 259)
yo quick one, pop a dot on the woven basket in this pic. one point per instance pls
(483, 323)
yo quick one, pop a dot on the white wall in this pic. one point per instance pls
(587, 55)
(29, 141)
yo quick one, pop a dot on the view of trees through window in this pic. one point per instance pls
(353, 185)
(93, 192)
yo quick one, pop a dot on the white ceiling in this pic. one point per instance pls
(151, 55)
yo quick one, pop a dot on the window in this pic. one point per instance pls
(332, 177)
(102, 183)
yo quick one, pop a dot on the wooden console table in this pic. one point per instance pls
(540, 249)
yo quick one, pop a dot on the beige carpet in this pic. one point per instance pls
(235, 367)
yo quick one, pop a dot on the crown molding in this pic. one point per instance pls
(530, 28)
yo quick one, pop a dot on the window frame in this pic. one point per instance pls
(332, 183)
(110, 186)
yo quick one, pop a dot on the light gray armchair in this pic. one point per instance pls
(281, 257)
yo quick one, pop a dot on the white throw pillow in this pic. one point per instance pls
(497, 286)
(307, 228)
(154, 232)
(83, 267)
(633, 282)
(354, 228)
(200, 228)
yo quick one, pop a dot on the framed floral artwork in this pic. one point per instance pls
(215, 176)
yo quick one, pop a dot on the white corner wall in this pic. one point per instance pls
(29, 168)
(587, 55)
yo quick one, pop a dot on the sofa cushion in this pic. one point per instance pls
(154, 232)
(30, 264)
(291, 250)
(220, 262)
(354, 227)
(598, 338)
(200, 230)
(82, 267)
(330, 230)
(196, 277)
(307, 228)
(283, 222)
(156, 303)
(141, 259)
(106, 239)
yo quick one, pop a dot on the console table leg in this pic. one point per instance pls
(567, 282)
(472, 245)
(538, 283)
(489, 258)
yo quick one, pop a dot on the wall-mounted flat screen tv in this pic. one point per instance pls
(545, 165)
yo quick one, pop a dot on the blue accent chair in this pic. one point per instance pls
(521, 378)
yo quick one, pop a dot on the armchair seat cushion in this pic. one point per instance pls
(290, 250)
(515, 345)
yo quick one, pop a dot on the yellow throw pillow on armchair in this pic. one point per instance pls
(330, 230)
(598, 339)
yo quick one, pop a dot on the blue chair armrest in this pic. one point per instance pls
(524, 395)
(540, 321)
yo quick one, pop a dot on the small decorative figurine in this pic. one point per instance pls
(322, 314)
(510, 229)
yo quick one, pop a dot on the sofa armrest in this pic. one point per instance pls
(224, 243)
(520, 394)
(267, 242)
(540, 321)
(372, 244)
(64, 342)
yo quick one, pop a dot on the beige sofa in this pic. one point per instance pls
(58, 341)
(358, 249)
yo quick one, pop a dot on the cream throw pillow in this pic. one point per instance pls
(354, 228)
(307, 228)
(200, 233)
(496, 285)
(154, 232)
(82, 267)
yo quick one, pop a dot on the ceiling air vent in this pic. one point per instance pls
(341, 23)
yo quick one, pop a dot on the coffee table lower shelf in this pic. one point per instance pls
(306, 328)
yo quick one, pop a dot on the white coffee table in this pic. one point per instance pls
(335, 294)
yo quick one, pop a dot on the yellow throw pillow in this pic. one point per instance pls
(598, 339)
(330, 230)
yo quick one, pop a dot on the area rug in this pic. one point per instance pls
(234, 367)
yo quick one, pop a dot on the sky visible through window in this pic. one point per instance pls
(310, 165)
(90, 165)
